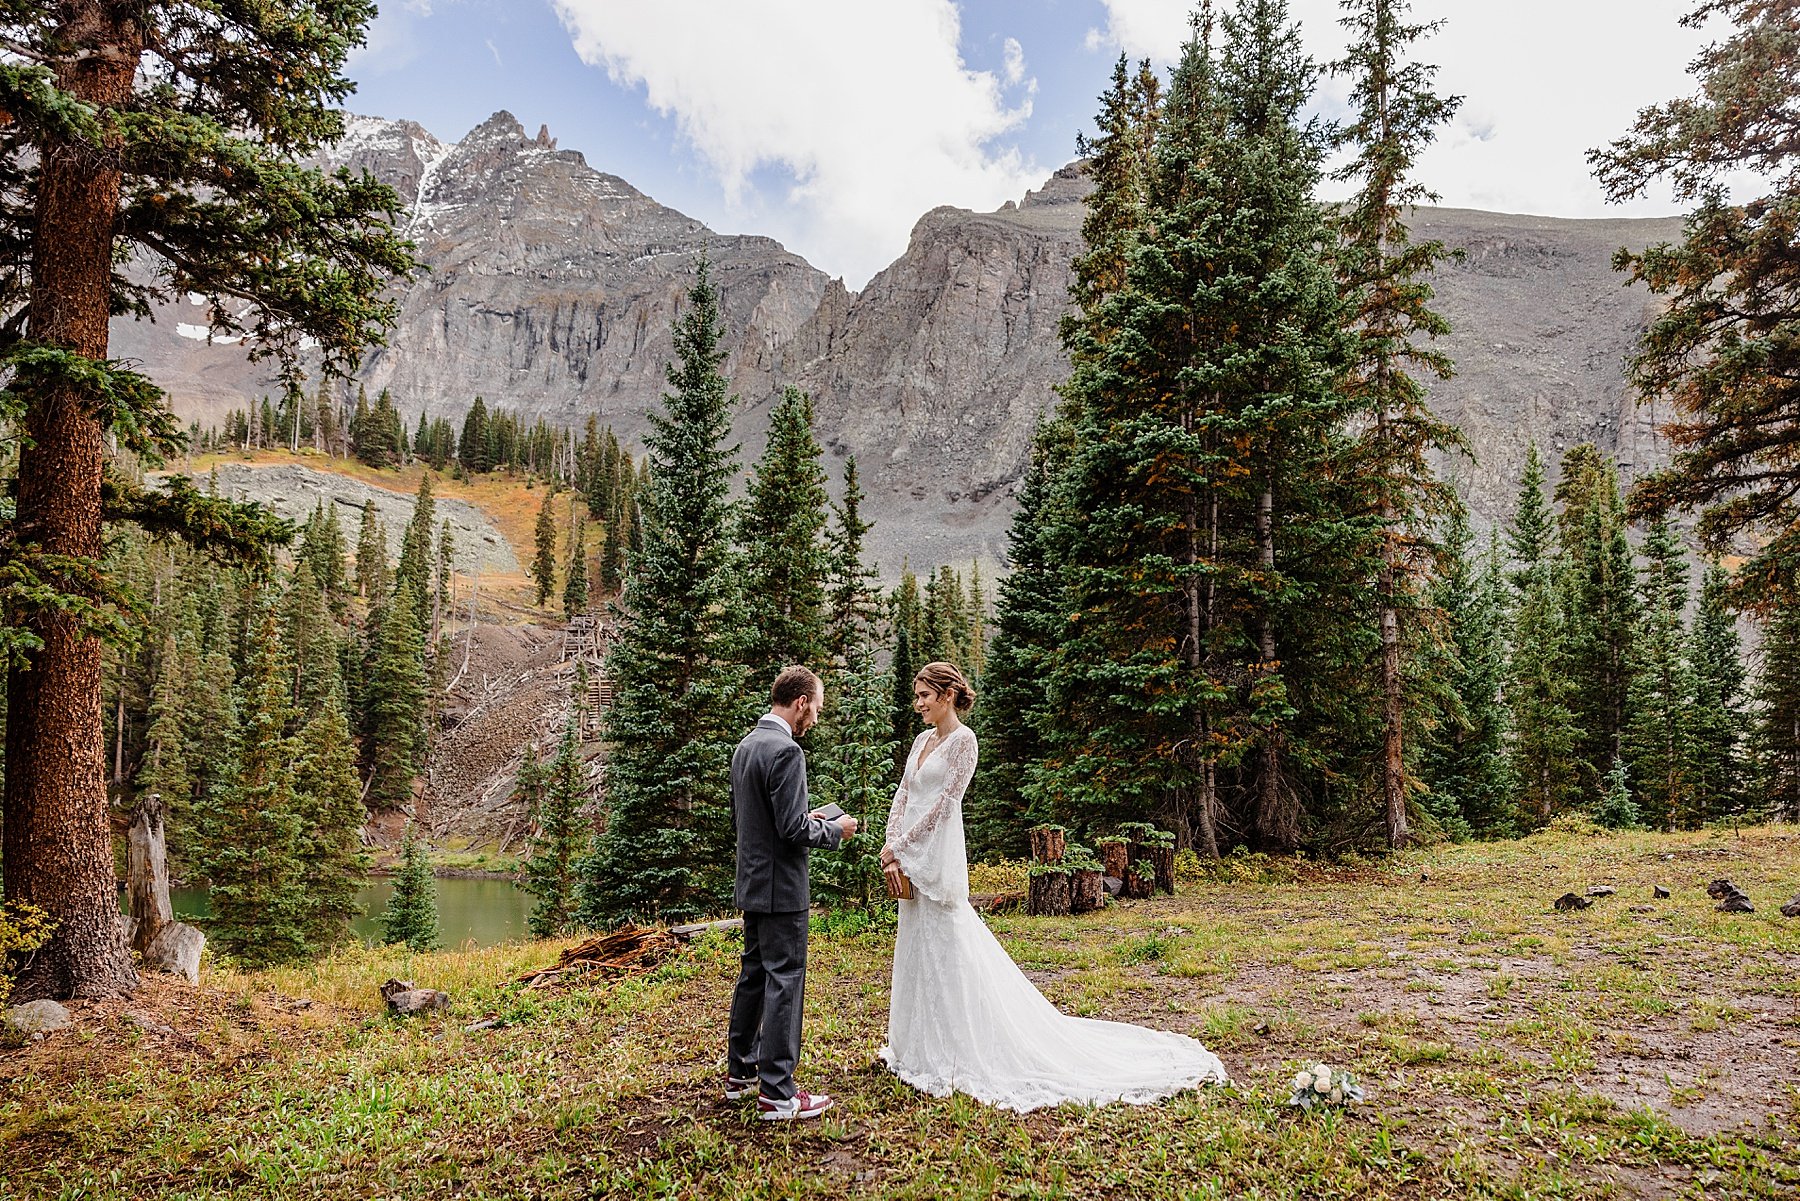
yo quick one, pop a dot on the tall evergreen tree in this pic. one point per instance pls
(393, 698)
(1724, 350)
(679, 699)
(371, 556)
(783, 535)
(125, 146)
(1383, 275)
(1602, 616)
(414, 574)
(853, 600)
(1719, 722)
(250, 831)
(473, 448)
(1659, 736)
(561, 837)
(856, 772)
(575, 586)
(1464, 761)
(1775, 740)
(328, 803)
(1546, 736)
(543, 559)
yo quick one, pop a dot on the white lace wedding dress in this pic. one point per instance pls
(963, 1017)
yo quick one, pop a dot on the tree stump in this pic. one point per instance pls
(147, 874)
(1087, 890)
(1162, 867)
(1048, 844)
(1049, 895)
(1115, 854)
(1140, 882)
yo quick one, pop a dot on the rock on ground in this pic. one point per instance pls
(36, 1017)
(176, 950)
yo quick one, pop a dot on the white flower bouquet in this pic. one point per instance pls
(1320, 1085)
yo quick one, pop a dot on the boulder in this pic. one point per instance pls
(404, 1000)
(36, 1017)
(1659, 892)
(1569, 901)
(176, 950)
(1792, 908)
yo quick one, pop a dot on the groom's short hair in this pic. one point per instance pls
(792, 684)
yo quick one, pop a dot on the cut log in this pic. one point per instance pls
(1048, 895)
(1792, 908)
(1115, 855)
(693, 930)
(1162, 868)
(1048, 844)
(1569, 901)
(147, 875)
(1087, 891)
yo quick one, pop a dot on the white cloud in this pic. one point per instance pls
(1544, 81)
(868, 109)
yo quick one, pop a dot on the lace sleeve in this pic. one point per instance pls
(962, 753)
(898, 809)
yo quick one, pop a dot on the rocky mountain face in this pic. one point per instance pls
(552, 286)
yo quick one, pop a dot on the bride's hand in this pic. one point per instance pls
(895, 879)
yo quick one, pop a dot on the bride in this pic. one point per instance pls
(963, 1017)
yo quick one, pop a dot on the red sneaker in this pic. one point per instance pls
(737, 1090)
(800, 1105)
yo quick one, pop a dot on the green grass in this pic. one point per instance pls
(1509, 1052)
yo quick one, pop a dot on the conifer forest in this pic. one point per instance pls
(1246, 623)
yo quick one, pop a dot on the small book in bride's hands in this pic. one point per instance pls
(898, 886)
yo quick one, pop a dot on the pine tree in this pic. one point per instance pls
(1464, 761)
(472, 449)
(1775, 740)
(1205, 395)
(1601, 621)
(249, 831)
(311, 639)
(412, 910)
(1539, 690)
(1659, 737)
(414, 573)
(394, 694)
(1013, 698)
(371, 556)
(328, 802)
(165, 771)
(782, 534)
(1382, 273)
(679, 690)
(575, 586)
(550, 873)
(443, 597)
(1724, 349)
(185, 164)
(1617, 810)
(853, 600)
(855, 771)
(1716, 666)
(322, 550)
(543, 562)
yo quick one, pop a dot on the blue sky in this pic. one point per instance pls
(832, 125)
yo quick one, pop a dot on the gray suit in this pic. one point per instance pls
(769, 805)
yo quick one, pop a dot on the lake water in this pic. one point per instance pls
(485, 911)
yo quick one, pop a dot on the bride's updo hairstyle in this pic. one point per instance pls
(944, 677)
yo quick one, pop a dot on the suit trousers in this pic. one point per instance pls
(764, 1039)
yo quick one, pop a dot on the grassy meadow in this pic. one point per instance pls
(1640, 1047)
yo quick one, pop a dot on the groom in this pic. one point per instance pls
(774, 831)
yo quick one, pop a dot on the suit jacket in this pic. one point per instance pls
(775, 831)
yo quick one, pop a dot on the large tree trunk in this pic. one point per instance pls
(57, 849)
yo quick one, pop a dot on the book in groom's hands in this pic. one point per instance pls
(829, 812)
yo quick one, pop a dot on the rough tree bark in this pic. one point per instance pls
(58, 840)
(1277, 819)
